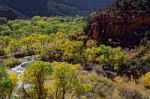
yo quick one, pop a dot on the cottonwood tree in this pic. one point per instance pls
(112, 58)
(6, 85)
(68, 80)
(35, 75)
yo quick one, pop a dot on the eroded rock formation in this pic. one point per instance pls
(123, 25)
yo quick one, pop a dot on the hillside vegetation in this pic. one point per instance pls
(69, 65)
(56, 58)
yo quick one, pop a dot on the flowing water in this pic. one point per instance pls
(19, 69)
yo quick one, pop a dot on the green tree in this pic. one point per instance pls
(5, 84)
(110, 57)
(12, 47)
(35, 75)
(4, 42)
(71, 49)
(68, 79)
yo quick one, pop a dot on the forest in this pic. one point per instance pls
(65, 65)
(55, 58)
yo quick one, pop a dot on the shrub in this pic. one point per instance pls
(105, 88)
(10, 62)
(145, 79)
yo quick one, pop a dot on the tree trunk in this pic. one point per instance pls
(40, 94)
(63, 93)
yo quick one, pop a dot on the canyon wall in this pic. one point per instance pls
(122, 24)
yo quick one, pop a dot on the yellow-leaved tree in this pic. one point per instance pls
(35, 74)
(69, 80)
(145, 79)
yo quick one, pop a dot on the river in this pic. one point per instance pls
(19, 69)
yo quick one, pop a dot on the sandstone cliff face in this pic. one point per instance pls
(123, 25)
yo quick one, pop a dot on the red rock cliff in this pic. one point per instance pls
(119, 25)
